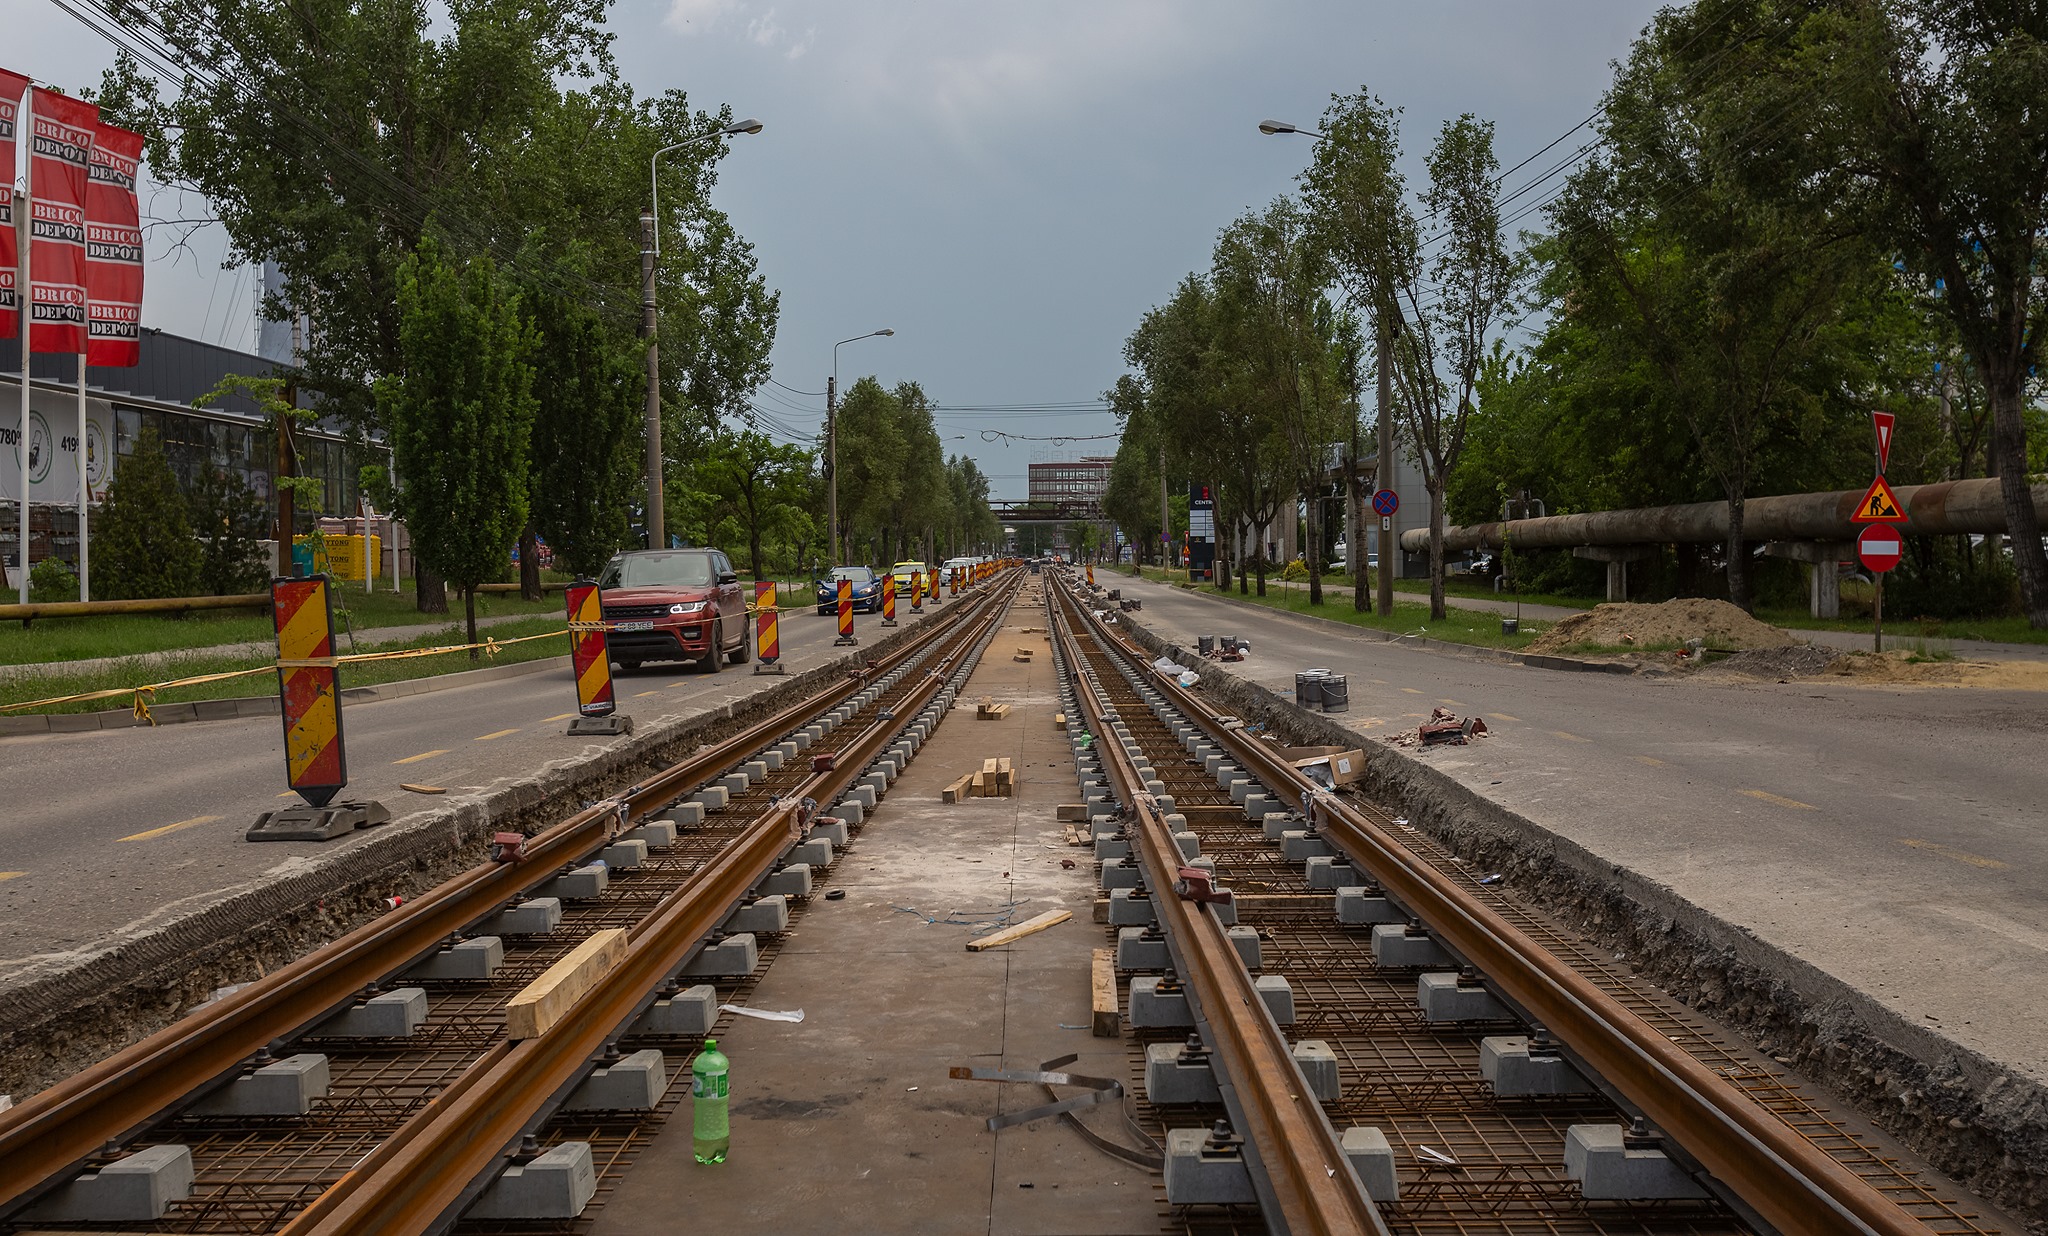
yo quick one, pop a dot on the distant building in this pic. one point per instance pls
(1079, 481)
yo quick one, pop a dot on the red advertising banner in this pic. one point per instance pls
(12, 87)
(60, 133)
(113, 250)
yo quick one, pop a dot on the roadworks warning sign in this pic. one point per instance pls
(1879, 506)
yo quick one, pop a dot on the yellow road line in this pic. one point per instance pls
(1452, 703)
(641, 695)
(560, 716)
(1651, 760)
(289, 794)
(1507, 716)
(1411, 690)
(672, 686)
(9, 875)
(1569, 737)
(495, 734)
(1961, 856)
(1779, 800)
(424, 755)
(194, 822)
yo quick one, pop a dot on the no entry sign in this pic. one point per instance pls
(1879, 548)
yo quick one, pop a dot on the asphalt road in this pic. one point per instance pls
(1893, 837)
(105, 833)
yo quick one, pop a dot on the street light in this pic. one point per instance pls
(832, 441)
(1272, 127)
(650, 249)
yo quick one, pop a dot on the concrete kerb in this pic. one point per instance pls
(1981, 1121)
(264, 705)
(86, 1006)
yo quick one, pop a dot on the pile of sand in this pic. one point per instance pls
(1668, 624)
(1903, 668)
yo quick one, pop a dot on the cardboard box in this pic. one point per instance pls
(1334, 767)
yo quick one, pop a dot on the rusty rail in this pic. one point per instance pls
(55, 1130)
(1787, 1180)
(434, 1165)
(1299, 1152)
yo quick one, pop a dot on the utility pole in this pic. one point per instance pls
(1165, 516)
(1388, 529)
(832, 467)
(657, 520)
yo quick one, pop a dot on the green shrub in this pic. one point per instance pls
(142, 543)
(52, 580)
(1295, 571)
(231, 521)
(1937, 578)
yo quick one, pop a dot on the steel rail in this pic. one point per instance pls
(1790, 1183)
(1299, 1151)
(435, 1163)
(55, 1130)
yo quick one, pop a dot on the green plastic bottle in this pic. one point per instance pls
(711, 1134)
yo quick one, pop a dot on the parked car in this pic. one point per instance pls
(674, 605)
(903, 571)
(867, 590)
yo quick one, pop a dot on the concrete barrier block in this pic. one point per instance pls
(536, 916)
(833, 829)
(1108, 849)
(1518, 1067)
(389, 1015)
(1364, 904)
(135, 1189)
(1190, 844)
(655, 834)
(1126, 910)
(1300, 845)
(866, 793)
(804, 737)
(1241, 790)
(1156, 1002)
(735, 784)
(624, 854)
(555, 1185)
(1608, 1169)
(1278, 994)
(1257, 805)
(712, 797)
(285, 1087)
(1276, 824)
(1141, 948)
(793, 880)
(1246, 941)
(765, 914)
(757, 769)
(1173, 1075)
(582, 884)
(632, 1084)
(1328, 871)
(688, 815)
(1372, 1160)
(817, 852)
(773, 758)
(1443, 998)
(732, 957)
(1120, 873)
(687, 1013)
(477, 958)
(787, 750)
(1397, 945)
(1318, 1065)
(1201, 1174)
(850, 812)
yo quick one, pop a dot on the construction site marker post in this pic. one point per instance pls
(888, 601)
(845, 615)
(590, 658)
(767, 639)
(917, 592)
(309, 699)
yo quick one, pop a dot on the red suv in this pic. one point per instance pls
(674, 605)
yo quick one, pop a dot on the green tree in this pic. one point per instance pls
(763, 482)
(873, 456)
(588, 384)
(142, 543)
(461, 415)
(230, 521)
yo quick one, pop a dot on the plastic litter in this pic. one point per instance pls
(763, 1014)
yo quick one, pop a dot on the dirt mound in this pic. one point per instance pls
(1667, 624)
(1903, 668)
(1794, 661)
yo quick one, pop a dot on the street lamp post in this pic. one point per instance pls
(650, 249)
(832, 442)
(1388, 531)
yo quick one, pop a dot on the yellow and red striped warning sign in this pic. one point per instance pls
(589, 655)
(888, 600)
(846, 611)
(308, 688)
(767, 640)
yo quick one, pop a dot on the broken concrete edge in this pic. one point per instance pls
(1981, 1121)
(262, 705)
(1478, 652)
(55, 1021)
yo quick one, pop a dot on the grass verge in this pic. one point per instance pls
(360, 675)
(1460, 626)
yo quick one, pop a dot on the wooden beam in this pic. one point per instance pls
(1106, 1024)
(548, 999)
(1030, 926)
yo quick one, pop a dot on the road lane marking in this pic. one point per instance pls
(1767, 796)
(424, 755)
(194, 822)
(289, 794)
(1569, 737)
(9, 875)
(495, 734)
(560, 716)
(1411, 690)
(1453, 703)
(1380, 682)
(1651, 760)
(641, 695)
(1507, 716)
(1961, 856)
(672, 686)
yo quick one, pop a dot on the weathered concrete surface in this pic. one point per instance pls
(1848, 876)
(848, 1122)
(63, 1008)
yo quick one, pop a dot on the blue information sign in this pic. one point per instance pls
(1386, 502)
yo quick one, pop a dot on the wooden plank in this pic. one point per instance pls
(1029, 927)
(1107, 1025)
(957, 789)
(548, 999)
(1059, 721)
(989, 766)
(978, 785)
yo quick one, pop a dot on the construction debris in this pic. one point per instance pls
(1030, 926)
(988, 710)
(1445, 728)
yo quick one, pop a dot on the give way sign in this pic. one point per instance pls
(1879, 547)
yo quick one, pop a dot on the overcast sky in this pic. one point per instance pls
(1007, 186)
